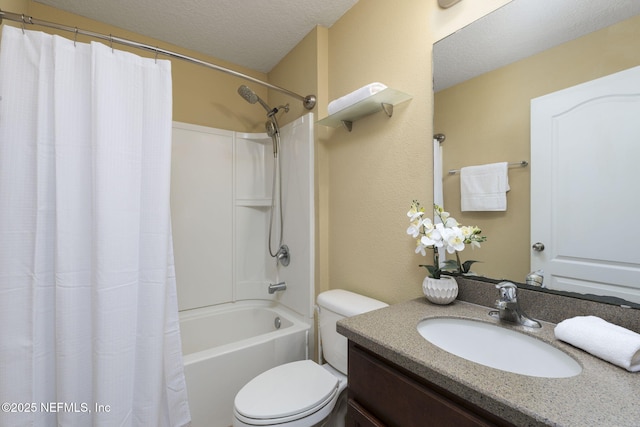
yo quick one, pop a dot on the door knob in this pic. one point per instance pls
(539, 247)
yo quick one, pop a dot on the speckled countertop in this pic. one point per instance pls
(602, 395)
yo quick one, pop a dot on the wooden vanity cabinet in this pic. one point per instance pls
(382, 394)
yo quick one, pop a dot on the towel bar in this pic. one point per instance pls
(521, 164)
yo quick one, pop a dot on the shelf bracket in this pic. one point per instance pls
(388, 108)
(383, 100)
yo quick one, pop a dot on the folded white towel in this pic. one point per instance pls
(355, 96)
(610, 342)
(484, 187)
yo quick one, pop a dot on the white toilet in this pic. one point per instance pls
(303, 393)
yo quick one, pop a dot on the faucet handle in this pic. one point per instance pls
(508, 291)
(501, 304)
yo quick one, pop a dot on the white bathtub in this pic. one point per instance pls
(226, 346)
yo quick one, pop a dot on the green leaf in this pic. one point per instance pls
(466, 266)
(450, 265)
(433, 271)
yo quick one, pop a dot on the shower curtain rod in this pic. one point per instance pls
(308, 101)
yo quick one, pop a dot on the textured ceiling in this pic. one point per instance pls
(256, 34)
(520, 29)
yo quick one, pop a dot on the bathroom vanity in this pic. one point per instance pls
(397, 378)
(380, 390)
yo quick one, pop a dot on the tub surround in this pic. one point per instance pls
(603, 394)
(221, 242)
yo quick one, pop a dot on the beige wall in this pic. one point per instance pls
(486, 120)
(366, 179)
(16, 6)
(375, 171)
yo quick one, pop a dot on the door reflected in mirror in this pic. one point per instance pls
(486, 117)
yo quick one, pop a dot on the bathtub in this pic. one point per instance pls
(226, 346)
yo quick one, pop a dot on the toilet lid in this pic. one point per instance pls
(286, 390)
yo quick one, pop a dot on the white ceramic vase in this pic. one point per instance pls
(440, 291)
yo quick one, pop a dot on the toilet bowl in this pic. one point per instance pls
(296, 394)
(304, 393)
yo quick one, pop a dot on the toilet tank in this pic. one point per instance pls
(334, 305)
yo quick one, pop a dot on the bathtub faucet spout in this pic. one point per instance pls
(273, 287)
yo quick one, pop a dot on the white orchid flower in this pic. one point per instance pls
(432, 230)
(427, 241)
(432, 235)
(414, 230)
(453, 239)
(451, 222)
(415, 212)
(466, 231)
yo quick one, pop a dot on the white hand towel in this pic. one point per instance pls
(355, 96)
(605, 340)
(484, 187)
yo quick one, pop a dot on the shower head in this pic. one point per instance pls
(251, 97)
(271, 126)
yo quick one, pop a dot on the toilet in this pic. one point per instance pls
(304, 393)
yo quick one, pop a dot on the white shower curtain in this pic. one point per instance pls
(88, 314)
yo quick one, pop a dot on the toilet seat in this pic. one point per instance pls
(286, 393)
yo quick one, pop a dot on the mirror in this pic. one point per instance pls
(482, 101)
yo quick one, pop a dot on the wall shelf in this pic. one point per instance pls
(383, 100)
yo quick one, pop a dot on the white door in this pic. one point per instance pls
(585, 179)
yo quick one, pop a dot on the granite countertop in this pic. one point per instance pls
(602, 395)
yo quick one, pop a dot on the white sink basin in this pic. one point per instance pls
(498, 347)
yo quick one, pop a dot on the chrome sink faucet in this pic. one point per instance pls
(508, 308)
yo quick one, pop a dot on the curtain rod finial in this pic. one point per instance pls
(309, 102)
